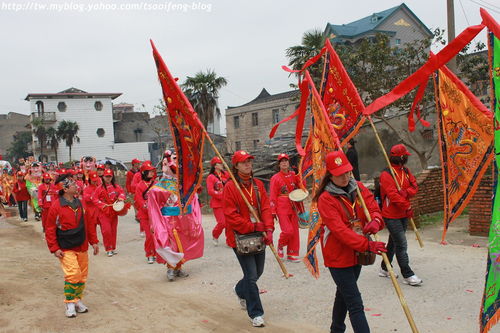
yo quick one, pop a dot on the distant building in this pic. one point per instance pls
(248, 125)
(94, 115)
(399, 23)
(11, 124)
(123, 108)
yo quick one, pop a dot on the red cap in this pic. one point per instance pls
(100, 166)
(79, 171)
(399, 150)
(337, 163)
(146, 166)
(282, 156)
(215, 160)
(46, 176)
(93, 175)
(20, 174)
(62, 171)
(241, 156)
(108, 172)
(72, 172)
(136, 161)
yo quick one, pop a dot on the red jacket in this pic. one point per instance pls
(91, 210)
(215, 187)
(237, 215)
(67, 218)
(128, 182)
(281, 185)
(139, 203)
(47, 194)
(338, 241)
(137, 177)
(394, 205)
(106, 195)
(20, 191)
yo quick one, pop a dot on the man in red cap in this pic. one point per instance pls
(88, 197)
(47, 193)
(215, 186)
(343, 239)
(130, 184)
(396, 210)
(282, 183)
(148, 175)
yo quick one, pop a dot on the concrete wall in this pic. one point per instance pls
(407, 29)
(10, 124)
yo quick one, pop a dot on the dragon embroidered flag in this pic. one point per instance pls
(466, 143)
(490, 305)
(187, 131)
(341, 98)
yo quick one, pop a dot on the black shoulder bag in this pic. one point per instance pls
(70, 238)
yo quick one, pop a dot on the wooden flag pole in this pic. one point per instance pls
(388, 265)
(398, 186)
(250, 207)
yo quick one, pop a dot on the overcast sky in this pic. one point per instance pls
(93, 47)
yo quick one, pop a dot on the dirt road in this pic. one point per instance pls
(124, 294)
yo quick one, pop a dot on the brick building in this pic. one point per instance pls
(11, 124)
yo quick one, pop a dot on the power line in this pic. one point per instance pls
(463, 10)
(490, 4)
(485, 6)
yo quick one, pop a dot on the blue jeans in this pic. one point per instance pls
(252, 267)
(348, 298)
(398, 245)
(23, 209)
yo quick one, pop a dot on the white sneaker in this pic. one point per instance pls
(242, 301)
(413, 280)
(80, 307)
(215, 241)
(70, 310)
(384, 273)
(109, 253)
(180, 273)
(151, 260)
(170, 274)
(115, 252)
(258, 321)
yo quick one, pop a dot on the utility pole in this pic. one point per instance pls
(450, 8)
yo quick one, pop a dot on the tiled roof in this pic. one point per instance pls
(369, 23)
(72, 92)
(265, 97)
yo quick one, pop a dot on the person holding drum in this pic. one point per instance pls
(240, 224)
(282, 184)
(109, 197)
(343, 240)
(215, 185)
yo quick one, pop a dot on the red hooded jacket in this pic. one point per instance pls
(394, 204)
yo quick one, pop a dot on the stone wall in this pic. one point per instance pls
(480, 207)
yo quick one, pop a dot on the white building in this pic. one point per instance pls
(93, 112)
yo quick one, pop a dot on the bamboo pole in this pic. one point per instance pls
(401, 297)
(398, 186)
(250, 207)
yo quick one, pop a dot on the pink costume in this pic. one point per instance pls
(165, 221)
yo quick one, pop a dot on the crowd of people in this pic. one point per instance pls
(72, 203)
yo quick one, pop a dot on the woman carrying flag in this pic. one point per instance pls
(215, 185)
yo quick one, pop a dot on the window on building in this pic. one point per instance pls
(255, 119)
(98, 106)
(255, 144)
(61, 106)
(39, 107)
(398, 41)
(236, 121)
(100, 132)
(276, 116)
(237, 145)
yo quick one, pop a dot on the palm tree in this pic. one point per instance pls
(312, 43)
(53, 140)
(202, 90)
(40, 133)
(67, 131)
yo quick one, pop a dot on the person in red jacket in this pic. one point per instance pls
(71, 247)
(148, 175)
(136, 164)
(22, 196)
(342, 216)
(238, 219)
(88, 197)
(282, 183)
(106, 195)
(215, 185)
(396, 210)
(47, 194)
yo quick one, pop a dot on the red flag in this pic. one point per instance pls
(187, 130)
(341, 98)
